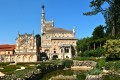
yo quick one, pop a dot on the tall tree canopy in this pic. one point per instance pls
(98, 32)
(38, 40)
(111, 14)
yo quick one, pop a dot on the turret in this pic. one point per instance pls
(42, 19)
(43, 14)
(74, 30)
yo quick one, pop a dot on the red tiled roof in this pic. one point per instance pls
(7, 47)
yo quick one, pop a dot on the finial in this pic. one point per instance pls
(33, 33)
(43, 6)
(52, 22)
(74, 30)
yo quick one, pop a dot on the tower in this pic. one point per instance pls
(42, 19)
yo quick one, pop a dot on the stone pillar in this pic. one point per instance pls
(63, 52)
(70, 52)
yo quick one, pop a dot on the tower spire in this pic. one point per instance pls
(43, 13)
(42, 19)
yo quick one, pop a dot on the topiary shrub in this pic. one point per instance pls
(67, 63)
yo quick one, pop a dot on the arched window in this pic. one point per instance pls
(61, 50)
(66, 50)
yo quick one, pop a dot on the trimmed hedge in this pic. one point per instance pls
(92, 53)
(67, 63)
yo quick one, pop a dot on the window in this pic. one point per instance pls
(61, 50)
(47, 37)
(8, 52)
(66, 50)
(54, 50)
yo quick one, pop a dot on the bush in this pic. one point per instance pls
(113, 65)
(4, 63)
(94, 71)
(109, 65)
(100, 63)
(42, 66)
(93, 53)
(9, 69)
(112, 57)
(112, 48)
(87, 58)
(67, 63)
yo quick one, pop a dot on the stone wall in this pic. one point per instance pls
(84, 63)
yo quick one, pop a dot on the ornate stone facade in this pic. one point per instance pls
(26, 48)
(56, 41)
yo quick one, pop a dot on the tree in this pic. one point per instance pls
(83, 44)
(110, 14)
(112, 48)
(98, 32)
(38, 40)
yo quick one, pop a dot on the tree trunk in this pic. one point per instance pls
(94, 46)
(88, 48)
(100, 45)
(113, 28)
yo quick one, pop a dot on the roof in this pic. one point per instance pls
(22, 35)
(7, 47)
(58, 30)
(63, 38)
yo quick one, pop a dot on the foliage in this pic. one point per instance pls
(114, 65)
(43, 56)
(80, 75)
(42, 66)
(67, 63)
(111, 14)
(94, 71)
(98, 32)
(4, 63)
(22, 74)
(111, 77)
(88, 44)
(9, 69)
(82, 44)
(38, 39)
(100, 63)
(112, 48)
(92, 53)
(86, 58)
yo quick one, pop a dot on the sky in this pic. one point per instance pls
(24, 16)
